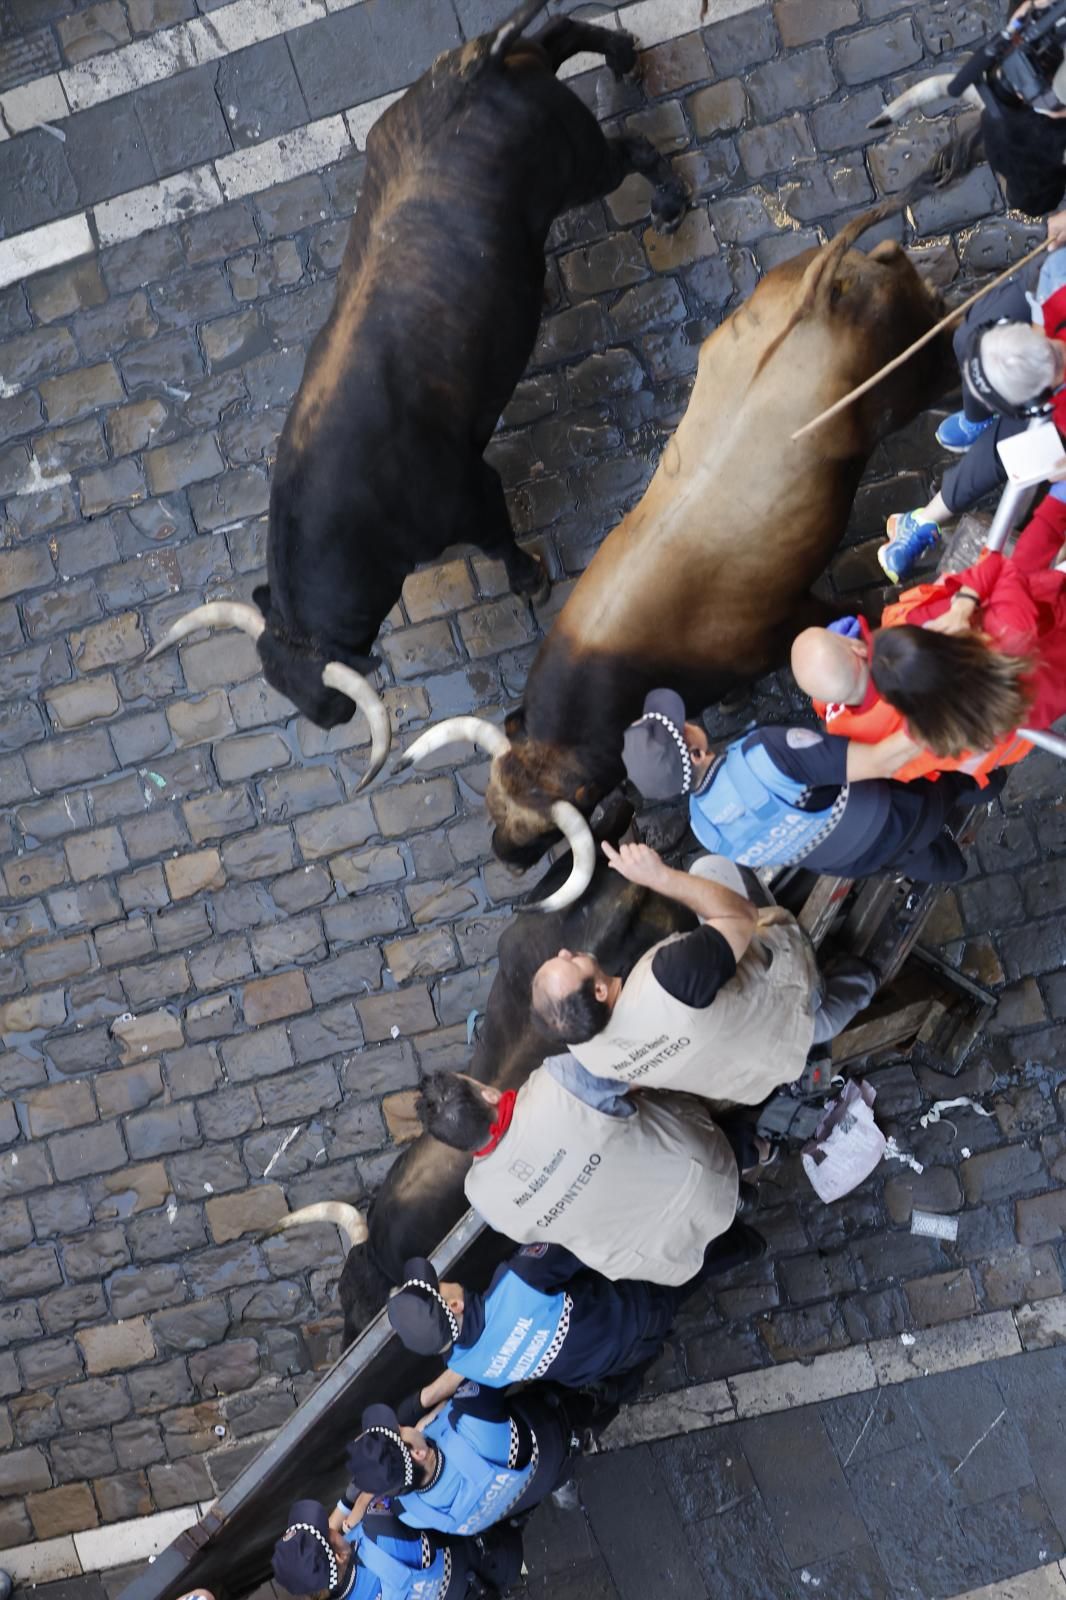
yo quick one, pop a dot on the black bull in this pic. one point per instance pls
(439, 296)
(422, 1196)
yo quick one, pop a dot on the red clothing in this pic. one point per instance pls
(1022, 610)
(1053, 311)
(504, 1113)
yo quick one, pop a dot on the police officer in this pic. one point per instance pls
(484, 1457)
(544, 1315)
(780, 795)
(381, 1559)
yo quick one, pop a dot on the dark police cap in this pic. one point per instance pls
(379, 1461)
(304, 1561)
(419, 1313)
(654, 751)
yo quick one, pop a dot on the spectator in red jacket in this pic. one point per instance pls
(875, 687)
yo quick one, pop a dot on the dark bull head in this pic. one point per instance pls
(323, 690)
(563, 817)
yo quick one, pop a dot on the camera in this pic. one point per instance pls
(1024, 62)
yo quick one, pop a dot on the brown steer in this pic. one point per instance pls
(706, 581)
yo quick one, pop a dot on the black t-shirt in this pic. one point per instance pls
(693, 969)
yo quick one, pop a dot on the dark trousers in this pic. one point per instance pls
(980, 471)
(554, 1415)
(926, 853)
(1027, 151)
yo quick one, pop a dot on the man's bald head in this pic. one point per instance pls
(829, 667)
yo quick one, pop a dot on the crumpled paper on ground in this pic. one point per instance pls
(847, 1146)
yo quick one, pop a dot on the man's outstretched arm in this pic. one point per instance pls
(733, 915)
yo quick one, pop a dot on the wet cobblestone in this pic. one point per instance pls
(211, 943)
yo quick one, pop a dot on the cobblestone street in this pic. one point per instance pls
(224, 973)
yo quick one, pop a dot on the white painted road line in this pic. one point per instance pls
(170, 200)
(860, 1369)
(49, 246)
(1043, 1583)
(42, 100)
(188, 44)
(119, 1542)
(290, 155)
(258, 167)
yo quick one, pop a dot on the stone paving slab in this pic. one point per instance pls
(209, 939)
(868, 1497)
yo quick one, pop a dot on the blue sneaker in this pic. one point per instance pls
(908, 540)
(957, 433)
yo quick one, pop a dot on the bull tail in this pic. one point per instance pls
(816, 287)
(515, 27)
(346, 1218)
(925, 93)
(950, 163)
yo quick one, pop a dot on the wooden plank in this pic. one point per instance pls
(821, 906)
(881, 1033)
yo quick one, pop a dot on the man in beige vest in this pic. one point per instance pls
(636, 1187)
(728, 1012)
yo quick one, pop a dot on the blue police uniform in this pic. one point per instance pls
(399, 1564)
(496, 1456)
(544, 1315)
(780, 795)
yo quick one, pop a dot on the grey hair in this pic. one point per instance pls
(1019, 361)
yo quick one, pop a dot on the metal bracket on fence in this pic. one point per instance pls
(1028, 464)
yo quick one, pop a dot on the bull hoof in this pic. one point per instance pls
(668, 208)
(533, 584)
(623, 60)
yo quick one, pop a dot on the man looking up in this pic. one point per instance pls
(729, 1011)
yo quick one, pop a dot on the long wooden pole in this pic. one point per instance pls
(945, 322)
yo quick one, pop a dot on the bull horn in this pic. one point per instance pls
(348, 1219)
(921, 94)
(216, 614)
(456, 730)
(337, 676)
(578, 835)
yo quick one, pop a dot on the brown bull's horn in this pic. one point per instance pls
(337, 676)
(216, 614)
(346, 1218)
(578, 834)
(456, 730)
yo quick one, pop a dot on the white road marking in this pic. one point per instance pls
(257, 167)
(51, 245)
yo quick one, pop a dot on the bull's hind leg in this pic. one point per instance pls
(494, 534)
(565, 38)
(669, 202)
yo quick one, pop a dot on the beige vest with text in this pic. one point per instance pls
(632, 1197)
(754, 1036)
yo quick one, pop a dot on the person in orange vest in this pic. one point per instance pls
(955, 666)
